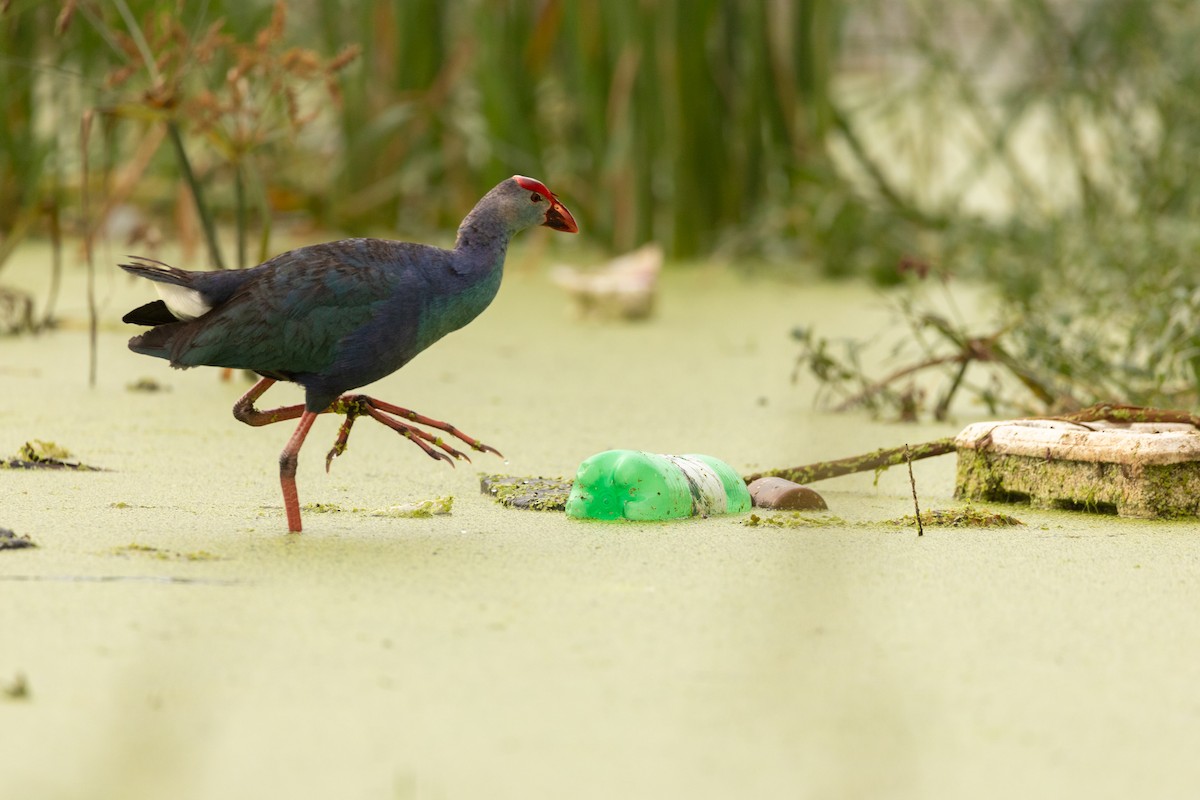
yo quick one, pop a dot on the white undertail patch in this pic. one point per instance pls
(184, 303)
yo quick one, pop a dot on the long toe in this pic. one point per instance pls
(412, 417)
(487, 448)
(423, 439)
(342, 442)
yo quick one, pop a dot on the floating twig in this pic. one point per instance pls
(875, 460)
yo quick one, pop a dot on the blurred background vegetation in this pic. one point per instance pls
(1044, 147)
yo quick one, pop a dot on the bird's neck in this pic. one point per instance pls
(482, 241)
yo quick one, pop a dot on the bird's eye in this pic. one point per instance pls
(535, 197)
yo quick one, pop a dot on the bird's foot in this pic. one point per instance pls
(355, 406)
(244, 410)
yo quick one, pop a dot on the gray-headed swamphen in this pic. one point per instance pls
(332, 317)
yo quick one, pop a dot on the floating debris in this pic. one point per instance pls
(326, 508)
(876, 460)
(953, 518)
(11, 541)
(624, 288)
(783, 494)
(641, 486)
(794, 519)
(149, 385)
(39, 454)
(438, 506)
(135, 549)
(17, 688)
(958, 518)
(1133, 469)
(533, 494)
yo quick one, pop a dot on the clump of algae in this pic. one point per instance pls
(438, 506)
(136, 549)
(531, 494)
(794, 519)
(421, 509)
(968, 517)
(40, 454)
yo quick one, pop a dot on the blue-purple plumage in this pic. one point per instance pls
(338, 315)
(333, 317)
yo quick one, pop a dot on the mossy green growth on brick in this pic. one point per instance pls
(1130, 490)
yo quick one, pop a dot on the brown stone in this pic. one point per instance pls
(783, 494)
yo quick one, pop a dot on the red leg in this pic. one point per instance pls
(244, 410)
(352, 406)
(287, 470)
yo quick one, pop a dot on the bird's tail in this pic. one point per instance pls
(155, 342)
(157, 271)
(182, 298)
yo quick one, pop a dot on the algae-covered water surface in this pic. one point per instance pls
(167, 638)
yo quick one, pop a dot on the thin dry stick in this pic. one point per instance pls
(85, 135)
(1120, 412)
(55, 212)
(913, 482)
(867, 392)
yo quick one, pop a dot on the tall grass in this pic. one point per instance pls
(702, 124)
(24, 150)
(677, 120)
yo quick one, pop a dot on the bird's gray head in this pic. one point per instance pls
(526, 202)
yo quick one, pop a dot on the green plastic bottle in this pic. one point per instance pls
(629, 484)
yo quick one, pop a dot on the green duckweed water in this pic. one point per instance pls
(504, 654)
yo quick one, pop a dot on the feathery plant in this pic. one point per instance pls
(241, 96)
(1046, 147)
(217, 81)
